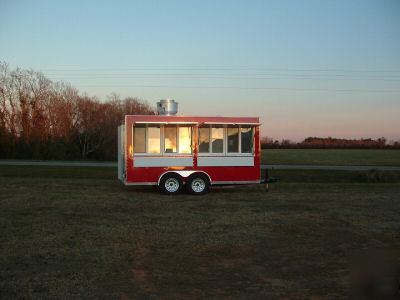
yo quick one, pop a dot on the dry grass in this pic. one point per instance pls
(89, 237)
(349, 157)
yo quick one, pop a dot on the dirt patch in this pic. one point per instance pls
(139, 273)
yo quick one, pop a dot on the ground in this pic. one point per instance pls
(77, 233)
(382, 157)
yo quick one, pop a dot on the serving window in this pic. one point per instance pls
(214, 139)
(204, 139)
(229, 139)
(217, 139)
(233, 139)
(185, 139)
(153, 139)
(139, 139)
(170, 140)
(146, 139)
(246, 137)
(157, 139)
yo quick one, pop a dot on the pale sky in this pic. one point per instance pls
(306, 68)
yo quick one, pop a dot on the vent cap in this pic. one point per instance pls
(167, 107)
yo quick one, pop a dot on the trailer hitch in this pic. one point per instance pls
(267, 180)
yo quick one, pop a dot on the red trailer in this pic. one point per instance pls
(177, 152)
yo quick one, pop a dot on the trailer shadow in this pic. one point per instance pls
(217, 189)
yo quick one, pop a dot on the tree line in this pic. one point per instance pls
(330, 143)
(42, 119)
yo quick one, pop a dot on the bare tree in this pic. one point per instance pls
(38, 113)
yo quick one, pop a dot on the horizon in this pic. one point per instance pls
(306, 69)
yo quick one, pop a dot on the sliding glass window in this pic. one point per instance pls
(185, 140)
(153, 139)
(139, 139)
(233, 139)
(217, 139)
(246, 135)
(204, 139)
(170, 139)
(178, 139)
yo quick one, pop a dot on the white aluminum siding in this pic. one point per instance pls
(224, 161)
(151, 161)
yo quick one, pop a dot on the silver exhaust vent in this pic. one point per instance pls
(167, 107)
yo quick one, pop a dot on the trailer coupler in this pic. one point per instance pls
(267, 180)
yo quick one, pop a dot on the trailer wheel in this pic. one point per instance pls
(198, 184)
(171, 184)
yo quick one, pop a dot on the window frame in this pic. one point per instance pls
(210, 153)
(192, 128)
(252, 138)
(146, 153)
(225, 144)
(223, 153)
(178, 140)
(145, 140)
(162, 140)
(239, 140)
(198, 140)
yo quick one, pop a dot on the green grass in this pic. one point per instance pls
(77, 233)
(349, 157)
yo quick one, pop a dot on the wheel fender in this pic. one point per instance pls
(183, 174)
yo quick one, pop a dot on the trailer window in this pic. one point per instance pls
(217, 136)
(185, 139)
(170, 139)
(246, 134)
(139, 140)
(153, 139)
(204, 139)
(233, 139)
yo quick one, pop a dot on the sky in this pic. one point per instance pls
(306, 68)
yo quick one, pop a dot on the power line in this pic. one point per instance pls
(220, 69)
(224, 75)
(247, 88)
(146, 76)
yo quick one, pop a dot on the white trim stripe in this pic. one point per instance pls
(166, 161)
(154, 122)
(231, 123)
(140, 183)
(225, 161)
(213, 183)
(237, 182)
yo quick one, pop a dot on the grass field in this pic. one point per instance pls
(77, 233)
(332, 157)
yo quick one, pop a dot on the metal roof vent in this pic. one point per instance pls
(167, 107)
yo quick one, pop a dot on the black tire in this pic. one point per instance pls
(171, 184)
(198, 184)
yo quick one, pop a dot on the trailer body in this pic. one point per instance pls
(226, 150)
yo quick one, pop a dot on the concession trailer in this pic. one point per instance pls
(176, 152)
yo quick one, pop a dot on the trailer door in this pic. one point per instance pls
(121, 152)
